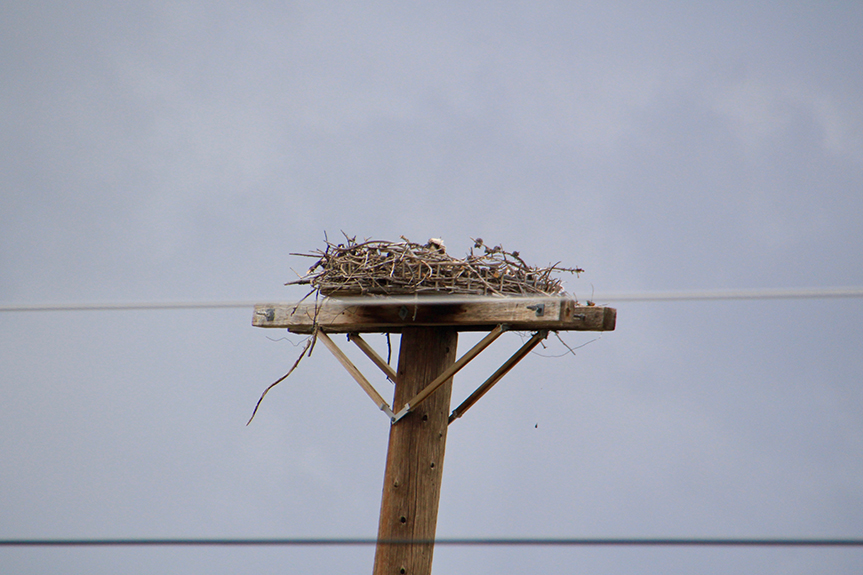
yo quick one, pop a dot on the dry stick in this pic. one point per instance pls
(360, 245)
(370, 266)
(315, 323)
(281, 379)
(560, 339)
(571, 349)
(301, 301)
(547, 274)
(485, 283)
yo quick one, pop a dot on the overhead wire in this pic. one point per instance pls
(471, 542)
(736, 294)
(126, 306)
(611, 297)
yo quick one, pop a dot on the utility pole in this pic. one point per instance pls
(420, 413)
(412, 480)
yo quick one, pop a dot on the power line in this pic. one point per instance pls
(472, 542)
(734, 294)
(127, 306)
(612, 297)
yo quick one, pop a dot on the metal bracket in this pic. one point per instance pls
(538, 308)
(401, 413)
(269, 313)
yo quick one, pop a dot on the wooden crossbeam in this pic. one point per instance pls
(382, 314)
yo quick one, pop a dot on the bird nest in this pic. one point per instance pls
(376, 267)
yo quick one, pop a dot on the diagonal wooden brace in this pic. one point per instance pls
(450, 371)
(498, 375)
(355, 373)
(373, 355)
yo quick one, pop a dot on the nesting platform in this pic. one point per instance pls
(392, 314)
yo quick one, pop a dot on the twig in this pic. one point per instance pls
(571, 350)
(309, 342)
(377, 267)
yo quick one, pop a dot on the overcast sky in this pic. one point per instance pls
(181, 150)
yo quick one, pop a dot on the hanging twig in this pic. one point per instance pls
(570, 350)
(309, 342)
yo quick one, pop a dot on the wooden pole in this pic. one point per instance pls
(414, 467)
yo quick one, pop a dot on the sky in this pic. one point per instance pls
(181, 151)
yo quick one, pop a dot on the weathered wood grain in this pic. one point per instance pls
(412, 480)
(378, 315)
